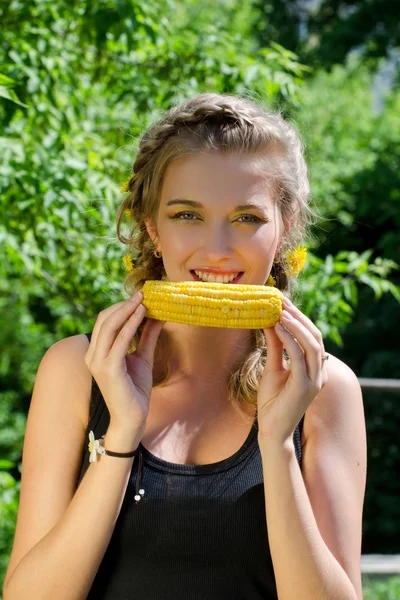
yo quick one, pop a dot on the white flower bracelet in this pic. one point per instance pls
(95, 448)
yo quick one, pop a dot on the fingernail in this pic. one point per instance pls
(286, 315)
(287, 301)
(137, 296)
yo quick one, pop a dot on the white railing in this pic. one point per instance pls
(388, 385)
(380, 564)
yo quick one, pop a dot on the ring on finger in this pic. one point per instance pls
(324, 358)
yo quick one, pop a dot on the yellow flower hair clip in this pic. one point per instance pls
(125, 186)
(295, 260)
(127, 259)
(271, 281)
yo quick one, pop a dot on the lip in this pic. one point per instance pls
(220, 273)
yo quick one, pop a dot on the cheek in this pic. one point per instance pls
(179, 243)
(266, 241)
(264, 248)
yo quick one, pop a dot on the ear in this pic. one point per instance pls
(286, 231)
(284, 234)
(151, 230)
(289, 226)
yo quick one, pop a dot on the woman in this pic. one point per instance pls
(251, 446)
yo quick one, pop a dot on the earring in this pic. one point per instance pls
(277, 259)
(156, 254)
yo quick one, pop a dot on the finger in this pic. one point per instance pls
(148, 340)
(126, 333)
(296, 312)
(297, 360)
(274, 360)
(129, 314)
(312, 349)
(101, 317)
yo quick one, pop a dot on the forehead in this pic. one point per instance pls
(216, 177)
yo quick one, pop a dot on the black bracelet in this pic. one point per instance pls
(122, 454)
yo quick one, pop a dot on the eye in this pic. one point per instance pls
(178, 215)
(182, 213)
(252, 217)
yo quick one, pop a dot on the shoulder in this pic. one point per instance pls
(65, 361)
(77, 342)
(68, 355)
(341, 397)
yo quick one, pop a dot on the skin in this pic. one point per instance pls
(215, 236)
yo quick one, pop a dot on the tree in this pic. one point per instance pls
(323, 33)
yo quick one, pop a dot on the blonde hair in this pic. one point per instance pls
(226, 124)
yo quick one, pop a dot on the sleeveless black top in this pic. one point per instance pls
(198, 532)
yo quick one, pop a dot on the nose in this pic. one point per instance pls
(217, 246)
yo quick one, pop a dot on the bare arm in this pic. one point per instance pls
(64, 529)
(314, 515)
(73, 550)
(304, 566)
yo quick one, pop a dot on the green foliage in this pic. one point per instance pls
(329, 290)
(371, 27)
(323, 33)
(386, 589)
(6, 91)
(9, 500)
(353, 153)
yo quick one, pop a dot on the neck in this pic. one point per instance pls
(203, 355)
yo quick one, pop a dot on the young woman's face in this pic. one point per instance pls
(216, 233)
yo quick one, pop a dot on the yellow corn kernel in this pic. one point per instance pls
(212, 304)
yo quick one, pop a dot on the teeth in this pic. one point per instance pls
(217, 278)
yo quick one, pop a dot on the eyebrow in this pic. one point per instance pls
(199, 205)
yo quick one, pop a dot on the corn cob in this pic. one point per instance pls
(212, 304)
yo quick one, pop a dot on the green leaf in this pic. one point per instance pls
(334, 280)
(394, 289)
(329, 264)
(341, 267)
(350, 291)
(6, 464)
(345, 307)
(6, 81)
(75, 163)
(10, 95)
(373, 283)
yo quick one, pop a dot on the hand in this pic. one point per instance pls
(125, 381)
(285, 394)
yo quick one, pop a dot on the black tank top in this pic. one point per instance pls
(199, 532)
